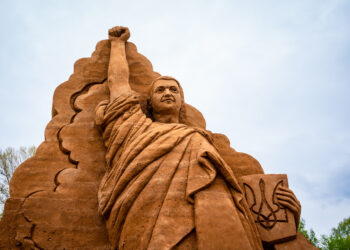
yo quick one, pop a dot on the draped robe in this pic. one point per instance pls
(166, 186)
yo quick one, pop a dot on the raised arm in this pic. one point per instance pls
(118, 69)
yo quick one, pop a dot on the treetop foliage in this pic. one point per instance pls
(10, 159)
(339, 238)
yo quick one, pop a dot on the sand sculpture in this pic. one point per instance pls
(128, 164)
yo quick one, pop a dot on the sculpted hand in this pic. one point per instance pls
(119, 33)
(286, 198)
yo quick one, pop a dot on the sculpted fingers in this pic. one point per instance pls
(290, 195)
(287, 198)
(288, 192)
(289, 206)
(290, 201)
(119, 33)
(114, 31)
(125, 33)
(286, 189)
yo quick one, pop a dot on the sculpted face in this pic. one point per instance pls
(166, 97)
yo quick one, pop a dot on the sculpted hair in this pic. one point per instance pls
(149, 109)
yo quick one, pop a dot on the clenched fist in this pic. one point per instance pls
(119, 33)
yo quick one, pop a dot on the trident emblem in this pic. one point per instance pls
(266, 214)
(271, 219)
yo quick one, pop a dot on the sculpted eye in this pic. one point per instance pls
(173, 89)
(160, 89)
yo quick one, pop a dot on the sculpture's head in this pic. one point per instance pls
(165, 97)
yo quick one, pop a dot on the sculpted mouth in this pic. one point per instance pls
(165, 99)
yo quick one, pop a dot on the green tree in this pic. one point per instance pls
(339, 238)
(310, 235)
(10, 159)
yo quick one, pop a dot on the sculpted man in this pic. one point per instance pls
(166, 186)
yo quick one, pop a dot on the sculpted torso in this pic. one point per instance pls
(166, 186)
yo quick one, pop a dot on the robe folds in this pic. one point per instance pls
(166, 186)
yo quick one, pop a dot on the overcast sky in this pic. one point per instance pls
(274, 76)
